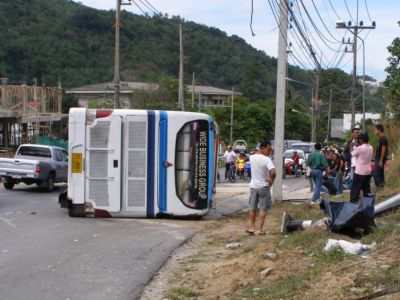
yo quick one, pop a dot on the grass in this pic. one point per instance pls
(281, 290)
(180, 293)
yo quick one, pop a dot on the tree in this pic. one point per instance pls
(392, 81)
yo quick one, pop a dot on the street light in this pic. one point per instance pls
(313, 127)
(363, 85)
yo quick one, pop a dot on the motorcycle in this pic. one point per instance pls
(290, 169)
(241, 165)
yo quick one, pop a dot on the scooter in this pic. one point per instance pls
(289, 169)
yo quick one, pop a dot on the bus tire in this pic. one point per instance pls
(8, 185)
(77, 210)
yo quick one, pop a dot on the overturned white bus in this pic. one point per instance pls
(140, 163)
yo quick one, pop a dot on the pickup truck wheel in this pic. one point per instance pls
(50, 183)
(8, 185)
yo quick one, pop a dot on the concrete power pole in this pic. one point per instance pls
(280, 100)
(181, 100)
(193, 82)
(329, 115)
(231, 132)
(314, 107)
(116, 63)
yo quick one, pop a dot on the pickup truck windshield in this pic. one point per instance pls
(34, 151)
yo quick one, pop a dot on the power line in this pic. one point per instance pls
(309, 34)
(348, 10)
(251, 18)
(323, 23)
(156, 10)
(133, 1)
(275, 12)
(366, 7)
(327, 11)
(148, 7)
(323, 38)
(334, 10)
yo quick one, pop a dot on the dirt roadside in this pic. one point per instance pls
(203, 268)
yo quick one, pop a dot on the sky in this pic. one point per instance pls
(233, 17)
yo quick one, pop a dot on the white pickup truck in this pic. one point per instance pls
(39, 164)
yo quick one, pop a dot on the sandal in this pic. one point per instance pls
(249, 231)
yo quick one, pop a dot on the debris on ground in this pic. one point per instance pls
(233, 246)
(266, 271)
(348, 247)
(271, 255)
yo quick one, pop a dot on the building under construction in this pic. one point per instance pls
(27, 112)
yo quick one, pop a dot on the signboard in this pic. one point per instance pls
(199, 163)
(76, 166)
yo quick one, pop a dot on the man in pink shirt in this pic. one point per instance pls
(362, 174)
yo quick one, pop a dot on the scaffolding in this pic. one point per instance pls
(27, 112)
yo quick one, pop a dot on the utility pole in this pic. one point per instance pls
(231, 132)
(117, 46)
(116, 63)
(329, 115)
(355, 30)
(314, 110)
(353, 89)
(181, 100)
(193, 82)
(280, 100)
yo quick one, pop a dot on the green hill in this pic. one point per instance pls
(61, 39)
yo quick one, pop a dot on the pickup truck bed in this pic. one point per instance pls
(40, 164)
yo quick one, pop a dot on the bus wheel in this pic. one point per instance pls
(8, 185)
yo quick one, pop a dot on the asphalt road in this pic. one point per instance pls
(45, 254)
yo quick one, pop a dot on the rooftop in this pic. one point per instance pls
(129, 86)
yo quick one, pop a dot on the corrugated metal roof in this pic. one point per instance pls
(108, 87)
(130, 86)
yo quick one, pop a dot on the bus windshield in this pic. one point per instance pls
(191, 167)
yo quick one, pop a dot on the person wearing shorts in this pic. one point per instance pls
(262, 177)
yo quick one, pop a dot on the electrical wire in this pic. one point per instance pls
(145, 13)
(366, 7)
(309, 35)
(348, 10)
(275, 12)
(327, 12)
(156, 10)
(323, 38)
(251, 18)
(334, 10)
(148, 7)
(323, 23)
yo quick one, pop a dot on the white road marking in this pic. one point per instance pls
(7, 221)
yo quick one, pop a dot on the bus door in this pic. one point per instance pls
(103, 163)
(136, 165)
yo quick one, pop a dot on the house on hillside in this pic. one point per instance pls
(103, 93)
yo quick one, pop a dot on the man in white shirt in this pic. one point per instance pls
(262, 177)
(229, 158)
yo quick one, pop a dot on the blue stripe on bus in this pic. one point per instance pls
(210, 162)
(162, 160)
(150, 162)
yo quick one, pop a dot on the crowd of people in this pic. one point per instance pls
(329, 168)
(352, 165)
